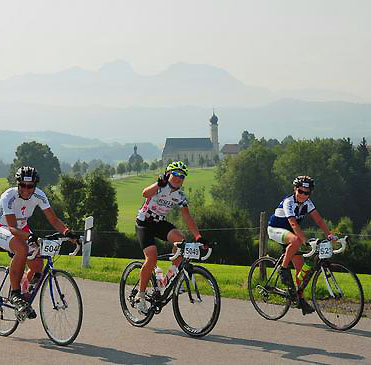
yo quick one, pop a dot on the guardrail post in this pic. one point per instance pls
(263, 241)
(86, 246)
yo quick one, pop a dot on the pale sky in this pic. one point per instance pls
(278, 44)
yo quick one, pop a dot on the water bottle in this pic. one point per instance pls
(171, 272)
(304, 271)
(159, 277)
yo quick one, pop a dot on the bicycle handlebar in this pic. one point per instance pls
(181, 246)
(313, 243)
(55, 237)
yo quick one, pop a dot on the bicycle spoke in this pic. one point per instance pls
(61, 308)
(267, 294)
(338, 296)
(8, 320)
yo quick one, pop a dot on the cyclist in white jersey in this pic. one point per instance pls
(151, 221)
(16, 206)
(284, 228)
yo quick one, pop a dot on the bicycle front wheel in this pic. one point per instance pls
(338, 297)
(129, 287)
(267, 293)
(61, 307)
(8, 320)
(196, 301)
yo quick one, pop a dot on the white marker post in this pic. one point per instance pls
(86, 247)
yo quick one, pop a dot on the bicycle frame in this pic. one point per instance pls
(160, 300)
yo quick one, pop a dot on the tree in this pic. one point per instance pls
(39, 156)
(154, 165)
(201, 161)
(101, 201)
(145, 166)
(73, 192)
(247, 140)
(247, 181)
(121, 168)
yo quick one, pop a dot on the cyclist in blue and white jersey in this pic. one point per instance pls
(16, 206)
(151, 221)
(284, 228)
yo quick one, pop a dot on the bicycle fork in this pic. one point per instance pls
(326, 277)
(191, 278)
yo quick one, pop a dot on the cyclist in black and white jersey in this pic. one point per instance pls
(151, 221)
(284, 228)
(17, 204)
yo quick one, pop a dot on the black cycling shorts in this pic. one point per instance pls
(147, 231)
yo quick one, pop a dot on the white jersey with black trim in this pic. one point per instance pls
(288, 208)
(160, 204)
(11, 203)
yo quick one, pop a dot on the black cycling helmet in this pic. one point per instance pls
(27, 174)
(304, 181)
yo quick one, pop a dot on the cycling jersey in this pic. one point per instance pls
(11, 203)
(158, 206)
(288, 208)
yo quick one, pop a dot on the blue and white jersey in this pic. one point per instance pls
(11, 203)
(290, 208)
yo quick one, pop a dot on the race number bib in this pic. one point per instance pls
(50, 248)
(325, 250)
(191, 251)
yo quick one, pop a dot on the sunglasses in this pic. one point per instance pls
(27, 186)
(302, 192)
(178, 174)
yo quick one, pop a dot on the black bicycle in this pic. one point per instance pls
(60, 299)
(193, 290)
(336, 293)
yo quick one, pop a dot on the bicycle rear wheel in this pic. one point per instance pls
(61, 307)
(267, 293)
(129, 287)
(196, 301)
(337, 295)
(8, 320)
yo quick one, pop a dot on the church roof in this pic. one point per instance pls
(230, 149)
(187, 144)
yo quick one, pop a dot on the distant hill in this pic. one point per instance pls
(71, 148)
(276, 120)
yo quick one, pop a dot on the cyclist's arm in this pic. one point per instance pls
(11, 221)
(191, 224)
(297, 230)
(55, 221)
(150, 191)
(319, 221)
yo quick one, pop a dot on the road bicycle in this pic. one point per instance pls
(193, 290)
(336, 292)
(60, 303)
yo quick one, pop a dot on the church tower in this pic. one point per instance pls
(214, 134)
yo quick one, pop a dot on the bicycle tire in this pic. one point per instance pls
(342, 311)
(129, 287)
(270, 301)
(67, 308)
(8, 319)
(194, 297)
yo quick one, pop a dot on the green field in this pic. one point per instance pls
(3, 184)
(129, 193)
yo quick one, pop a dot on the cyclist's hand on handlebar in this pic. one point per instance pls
(162, 180)
(204, 241)
(332, 237)
(32, 238)
(71, 235)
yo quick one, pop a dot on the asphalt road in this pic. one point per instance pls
(240, 337)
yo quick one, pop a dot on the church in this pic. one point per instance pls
(194, 151)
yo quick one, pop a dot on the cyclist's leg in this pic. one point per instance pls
(34, 266)
(20, 249)
(174, 235)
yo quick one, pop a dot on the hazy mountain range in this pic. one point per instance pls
(70, 148)
(117, 104)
